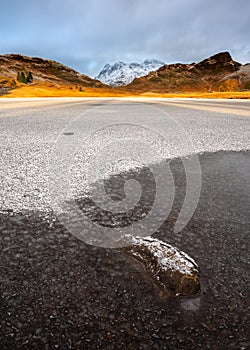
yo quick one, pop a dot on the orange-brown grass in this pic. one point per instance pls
(46, 90)
(61, 91)
(227, 95)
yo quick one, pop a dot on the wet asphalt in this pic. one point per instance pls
(57, 292)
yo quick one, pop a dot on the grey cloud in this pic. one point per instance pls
(87, 34)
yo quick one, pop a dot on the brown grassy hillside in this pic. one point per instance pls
(218, 73)
(50, 78)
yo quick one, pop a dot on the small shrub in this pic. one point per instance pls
(13, 83)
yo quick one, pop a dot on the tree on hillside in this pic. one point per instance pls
(21, 77)
(24, 78)
(18, 76)
(29, 77)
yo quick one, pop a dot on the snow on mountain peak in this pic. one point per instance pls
(121, 73)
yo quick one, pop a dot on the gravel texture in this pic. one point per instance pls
(34, 131)
(57, 292)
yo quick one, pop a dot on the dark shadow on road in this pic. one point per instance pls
(58, 292)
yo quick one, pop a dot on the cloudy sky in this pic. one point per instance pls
(86, 34)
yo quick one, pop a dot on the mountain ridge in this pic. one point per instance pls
(217, 73)
(120, 73)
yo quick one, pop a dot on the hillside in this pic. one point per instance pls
(216, 73)
(46, 73)
(219, 74)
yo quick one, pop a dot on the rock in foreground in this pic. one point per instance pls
(171, 269)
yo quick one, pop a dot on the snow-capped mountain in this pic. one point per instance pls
(121, 73)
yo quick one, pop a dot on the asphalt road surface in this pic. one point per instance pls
(61, 292)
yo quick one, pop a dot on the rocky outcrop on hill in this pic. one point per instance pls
(242, 76)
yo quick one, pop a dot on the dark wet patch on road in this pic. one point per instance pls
(58, 292)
